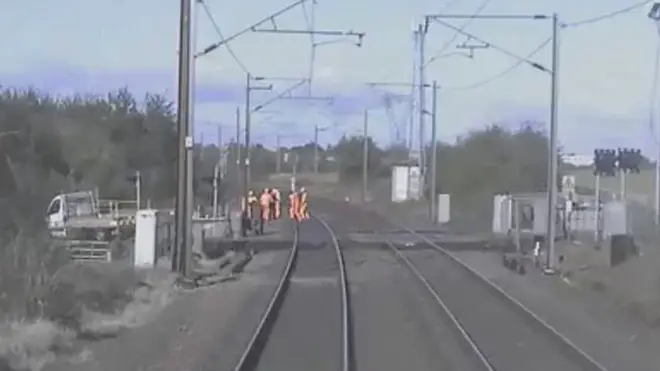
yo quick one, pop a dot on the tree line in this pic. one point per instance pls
(477, 165)
(50, 144)
(56, 144)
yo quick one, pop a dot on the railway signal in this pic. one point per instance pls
(605, 162)
(629, 160)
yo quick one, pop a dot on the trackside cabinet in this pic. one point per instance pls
(146, 228)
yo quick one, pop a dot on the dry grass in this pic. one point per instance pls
(641, 185)
(51, 313)
(148, 295)
(27, 264)
(633, 285)
(32, 345)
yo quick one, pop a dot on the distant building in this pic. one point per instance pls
(578, 160)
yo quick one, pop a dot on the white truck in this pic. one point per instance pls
(82, 216)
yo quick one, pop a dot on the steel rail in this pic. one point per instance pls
(590, 361)
(345, 313)
(252, 351)
(454, 320)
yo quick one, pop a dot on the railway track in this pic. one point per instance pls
(306, 324)
(500, 331)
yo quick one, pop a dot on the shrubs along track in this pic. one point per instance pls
(82, 302)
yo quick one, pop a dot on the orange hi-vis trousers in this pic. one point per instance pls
(265, 208)
(303, 211)
(278, 208)
(303, 207)
(277, 205)
(293, 207)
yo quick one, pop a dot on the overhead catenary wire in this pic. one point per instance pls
(586, 21)
(656, 65)
(449, 42)
(217, 29)
(252, 27)
(607, 16)
(389, 99)
(495, 47)
(449, 4)
(504, 72)
(308, 21)
(411, 101)
(522, 60)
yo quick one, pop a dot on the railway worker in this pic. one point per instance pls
(265, 204)
(293, 205)
(303, 213)
(264, 209)
(256, 209)
(245, 205)
(271, 204)
(276, 203)
(247, 209)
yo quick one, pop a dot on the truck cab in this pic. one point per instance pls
(66, 206)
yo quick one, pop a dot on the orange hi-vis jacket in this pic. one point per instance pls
(303, 207)
(277, 202)
(264, 202)
(293, 206)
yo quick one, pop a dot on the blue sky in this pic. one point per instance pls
(606, 67)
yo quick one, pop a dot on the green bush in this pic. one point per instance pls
(50, 144)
